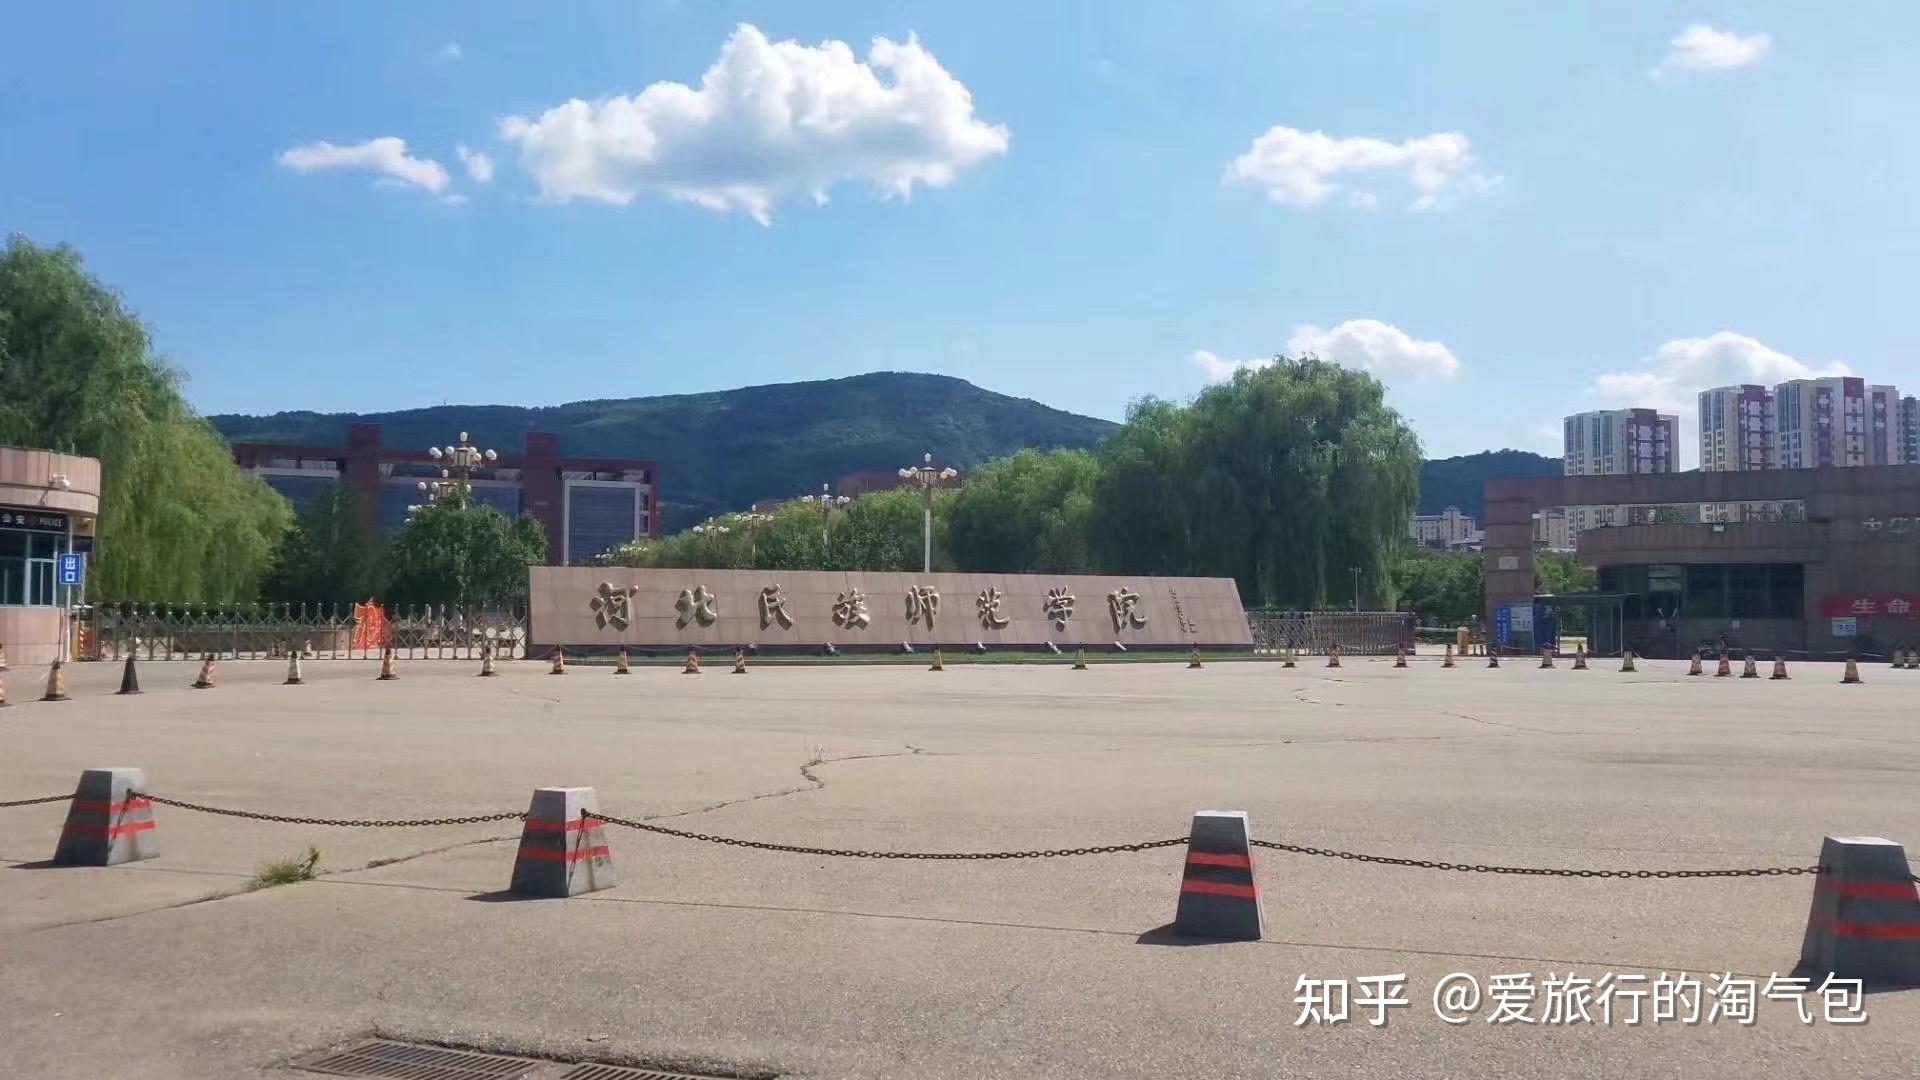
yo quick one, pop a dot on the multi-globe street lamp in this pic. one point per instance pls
(828, 503)
(456, 475)
(928, 478)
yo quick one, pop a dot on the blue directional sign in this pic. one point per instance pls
(73, 570)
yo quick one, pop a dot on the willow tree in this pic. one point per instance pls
(178, 521)
(1287, 479)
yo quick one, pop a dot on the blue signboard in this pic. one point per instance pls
(72, 570)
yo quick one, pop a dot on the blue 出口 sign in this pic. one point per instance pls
(72, 570)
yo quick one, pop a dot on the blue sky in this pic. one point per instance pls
(1510, 211)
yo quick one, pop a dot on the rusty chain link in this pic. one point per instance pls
(36, 802)
(254, 815)
(1537, 871)
(847, 853)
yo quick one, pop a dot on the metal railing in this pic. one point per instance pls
(318, 631)
(1357, 633)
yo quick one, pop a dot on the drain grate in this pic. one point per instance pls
(384, 1059)
(590, 1071)
(405, 1061)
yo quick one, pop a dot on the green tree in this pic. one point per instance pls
(1285, 479)
(1560, 573)
(883, 530)
(331, 554)
(178, 520)
(1027, 513)
(463, 554)
(1444, 588)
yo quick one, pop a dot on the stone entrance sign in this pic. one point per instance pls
(584, 608)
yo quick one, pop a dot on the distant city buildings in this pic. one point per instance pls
(1839, 422)
(1612, 441)
(1448, 530)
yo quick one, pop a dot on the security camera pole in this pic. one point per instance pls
(928, 478)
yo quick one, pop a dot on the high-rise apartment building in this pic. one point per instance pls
(1836, 423)
(1736, 428)
(1910, 430)
(1619, 441)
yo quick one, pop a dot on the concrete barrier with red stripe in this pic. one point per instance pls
(106, 825)
(1218, 895)
(1865, 920)
(563, 847)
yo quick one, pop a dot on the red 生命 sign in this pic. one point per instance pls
(1894, 605)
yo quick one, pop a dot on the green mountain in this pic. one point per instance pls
(1457, 481)
(724, 450)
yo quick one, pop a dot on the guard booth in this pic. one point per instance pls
(1523, 627)
(1601, 616)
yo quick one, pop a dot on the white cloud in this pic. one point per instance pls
(479, 164)
(1671, 379)
(1702, 48)
(1304, 168)
(768, 120)
(452, 51)
(386, 155)
(1360, 344)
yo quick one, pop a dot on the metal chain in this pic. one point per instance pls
(847, 853)
(1539, 871)
(36, 802)
(416, 823)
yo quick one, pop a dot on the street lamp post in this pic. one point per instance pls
(928, 478)
(754, 521)
(828, 504)
(1356, 589)
(456, 475)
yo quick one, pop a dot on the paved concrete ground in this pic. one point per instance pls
(820, 967)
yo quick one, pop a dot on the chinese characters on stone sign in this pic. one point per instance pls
(1059, 607)
(923, 603)
(773, 608)
(696, 605)
(613, 607)
(988, 603)
(850, 610)
(1121, 604)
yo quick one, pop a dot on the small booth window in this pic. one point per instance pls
(27, 558)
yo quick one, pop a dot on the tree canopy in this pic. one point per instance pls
(330, 555)
(178, 520)
(460, 553)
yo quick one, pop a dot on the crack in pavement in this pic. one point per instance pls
(814, 783)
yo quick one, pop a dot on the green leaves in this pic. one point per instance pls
(462, 554)
(178, 521)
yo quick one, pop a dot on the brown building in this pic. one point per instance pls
(48, 506)
(586, 505)
(1823, 561)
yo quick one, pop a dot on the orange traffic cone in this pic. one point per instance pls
(1779, 667)
(939, 664)
(559, 661)
(1080, 658)
(387, 674)
(1626, 660)
(1579, 658)
(1694, 667)
(1724, 668)
(620, 662)
(205, 681)
(1546, 658)
(693, 663)
(486, 661)
(1333, 655)
(1193, 657)
(1852, 672)
(1447, 660)
(1749, 670)
(739, 661)
(1399, 656)
(1493, 659)
(56, 683)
